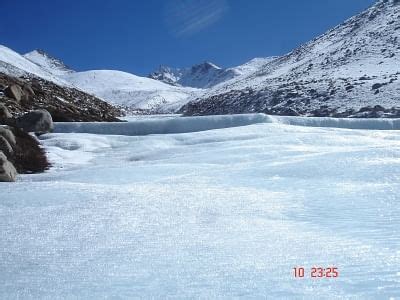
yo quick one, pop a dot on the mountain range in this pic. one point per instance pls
(350, 71)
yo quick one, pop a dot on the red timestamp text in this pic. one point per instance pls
(316, 272)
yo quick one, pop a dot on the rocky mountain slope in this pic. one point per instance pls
(352, 70)
(65, 104)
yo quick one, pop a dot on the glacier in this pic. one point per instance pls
(206, 207)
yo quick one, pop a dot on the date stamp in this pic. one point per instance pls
(316, 272)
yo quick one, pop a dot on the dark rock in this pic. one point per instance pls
(38, 121)
(4, 114)
(377, 86)
(5, 147)
(28, 156)
(6, 132)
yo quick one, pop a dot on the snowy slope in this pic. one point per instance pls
(48, 63)
(218, 214)
(126, 89)
(14, 64)
(112, 86)
(205, 75)
(354, 65)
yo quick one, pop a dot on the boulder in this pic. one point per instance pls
(8, 135)
(8, 173)
(5, 147)
(4, 114)
(38, 121)
(14, 92)
(28, 93)
(27, 89)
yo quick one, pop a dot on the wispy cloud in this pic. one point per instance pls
(187, 17)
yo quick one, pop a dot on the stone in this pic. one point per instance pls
(14, 92)
(8, 135)
(28, 93)
(8, 173)
(27, 89)
(4, 113)
(38, 121)
(5, 147)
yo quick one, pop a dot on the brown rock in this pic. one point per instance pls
(14, 92)
(8, 173)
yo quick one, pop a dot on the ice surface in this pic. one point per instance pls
(224, 213)
(176, 124)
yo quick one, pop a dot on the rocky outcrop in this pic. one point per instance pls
(29, 105)
(29, 156)
(22, 151)
(8, 173)
(65, 104)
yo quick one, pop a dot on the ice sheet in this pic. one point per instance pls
(214, 214)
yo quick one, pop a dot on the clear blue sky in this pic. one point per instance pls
(138, 36)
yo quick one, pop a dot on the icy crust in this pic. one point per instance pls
(195, 124)
(218, 214)
(163, 126)
(370, 124)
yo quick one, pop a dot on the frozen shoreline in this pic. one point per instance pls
(177, 124)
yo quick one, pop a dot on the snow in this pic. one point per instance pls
(224, 213)
(14, 64)
(123, 88)
(331, 65)
(48, 63)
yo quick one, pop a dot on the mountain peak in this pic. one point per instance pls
(48, 62)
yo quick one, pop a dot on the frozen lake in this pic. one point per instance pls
(222, 213)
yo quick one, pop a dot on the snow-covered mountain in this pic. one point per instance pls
(48, 63)
(115, 87)
(346, 71)
(351, 70)
(204, 75)
(14, 64)
(121, 88)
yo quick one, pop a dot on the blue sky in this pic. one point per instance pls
(138, 36)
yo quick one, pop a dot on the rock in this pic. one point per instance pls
(4, 114)
(8, 173)
(14, 92)
(27, 89)
(377, 86)
(28, 93)
(8, 135)
(5, 147)
(29, 157)
(38, 121)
